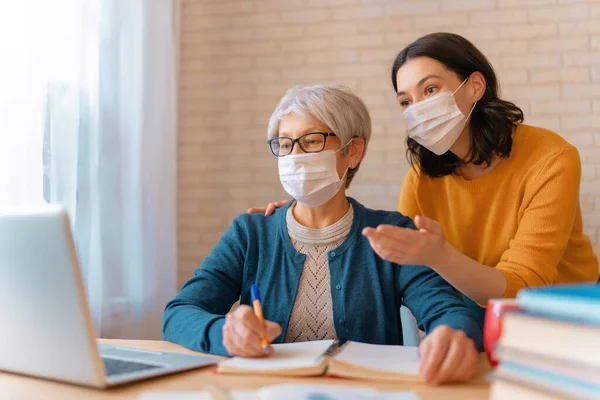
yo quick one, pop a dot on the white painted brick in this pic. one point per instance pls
(563, 75)
(551, 123)
(596, 10)
(360, 41)
(531, 61)
(342, 57)
(596, 108)
(372, 55)
(499, 17)
(306, 75)
(412, 7)
(359, 71)
(255, 19)
(358, 13)
(229, 7)
(280, 61)
(460, 5)
(581, 59)
(505, 46)
(577, 122)
(278, 32)
(580, 91)
(477, 33)
(560, 44)
(581, 139)
(229, 35)
(330, 3)
(561, 12)
(595, 44)
(401, 40)
(306, 44)
(254, 48)
(528, 31)
(512, 76)
(578, 27)
(386, 25)
(192, 23)
(331, 29)
(442, 20)
(523, 3)
(199, 51)
(560, 107)
(305, 16)
(278, 5)
(596, 74)
(376, 84)
(597, 140)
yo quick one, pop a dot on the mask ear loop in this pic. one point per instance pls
(348, 167)
(461, 85)
(471, 112)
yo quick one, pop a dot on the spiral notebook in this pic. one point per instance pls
(351, 360)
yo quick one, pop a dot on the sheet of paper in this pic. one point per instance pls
(329, 392)
(400, 359)
(285, 356)
(291, 392)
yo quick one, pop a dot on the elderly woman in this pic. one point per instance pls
(319, 276)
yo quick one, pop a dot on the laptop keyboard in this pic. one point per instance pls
(113, 366)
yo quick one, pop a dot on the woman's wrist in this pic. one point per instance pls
(445, 258)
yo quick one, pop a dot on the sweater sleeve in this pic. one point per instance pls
(544, 229)
(407, 204)
(434, 302)
(195, 317)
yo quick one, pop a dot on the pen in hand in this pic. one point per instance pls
(255, 294)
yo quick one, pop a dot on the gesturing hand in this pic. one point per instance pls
(408, 246)
(243, 331)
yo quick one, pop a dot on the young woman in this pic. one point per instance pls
(496, 201)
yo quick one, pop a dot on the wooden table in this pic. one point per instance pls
(20, 387)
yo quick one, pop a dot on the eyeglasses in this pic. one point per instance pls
(313, 142)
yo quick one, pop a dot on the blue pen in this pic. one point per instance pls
(255, 294)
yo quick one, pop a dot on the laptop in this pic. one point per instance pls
(46, 326)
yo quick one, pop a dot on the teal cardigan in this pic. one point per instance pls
(366, 291)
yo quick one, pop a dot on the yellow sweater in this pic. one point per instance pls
(522, 218)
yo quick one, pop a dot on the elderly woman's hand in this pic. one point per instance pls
(426, 246)
(243, 332)
(447, 355)
(270, 208)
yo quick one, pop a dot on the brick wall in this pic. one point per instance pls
(237, 58)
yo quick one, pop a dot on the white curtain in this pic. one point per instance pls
(87, 119)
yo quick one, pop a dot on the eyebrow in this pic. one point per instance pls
(421, 82)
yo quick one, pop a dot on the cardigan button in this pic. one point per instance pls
(338, 287)
(342, 321)
(332, 254)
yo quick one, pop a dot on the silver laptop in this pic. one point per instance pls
(46, 329)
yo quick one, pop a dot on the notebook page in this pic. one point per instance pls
(399, 359)
(285, 356)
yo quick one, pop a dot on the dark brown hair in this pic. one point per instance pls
(492, 121)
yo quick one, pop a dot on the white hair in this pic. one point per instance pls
(331, 104)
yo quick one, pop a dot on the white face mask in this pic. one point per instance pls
(437, 122)
(311, 178)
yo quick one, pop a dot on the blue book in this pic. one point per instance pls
(549, 381)
(567, 302)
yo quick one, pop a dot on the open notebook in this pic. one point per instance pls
(351, 360)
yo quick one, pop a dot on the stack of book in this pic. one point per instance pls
(550, 349)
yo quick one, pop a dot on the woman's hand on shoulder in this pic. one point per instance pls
(426, 246)
(270, 209)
